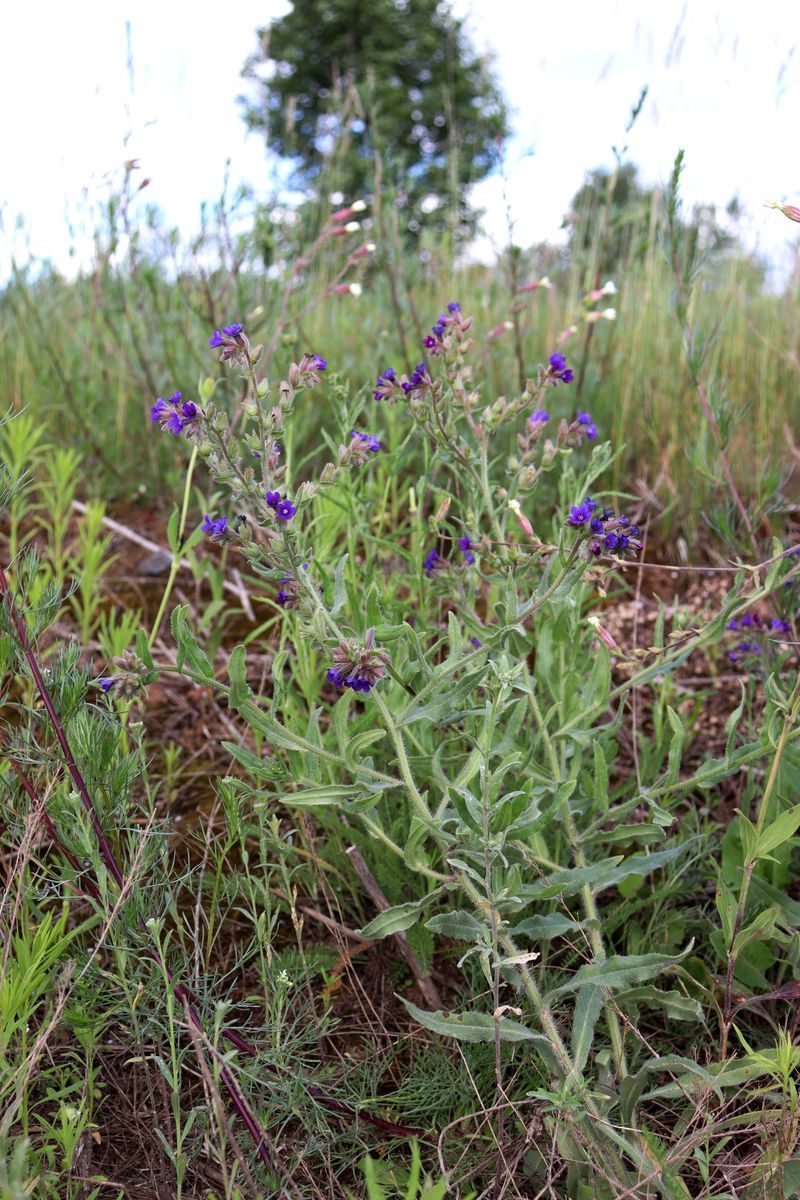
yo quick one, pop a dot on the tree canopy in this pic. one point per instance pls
(336, 80)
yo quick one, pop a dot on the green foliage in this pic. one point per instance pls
(338, 80)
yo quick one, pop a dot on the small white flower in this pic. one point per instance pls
(609, 288)
(358, 206)
(610, 314)
(545, 282)
(355, 289)
(370, 247)
(352, 227)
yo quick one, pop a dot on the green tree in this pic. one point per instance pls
(336, 80)
(613, 215)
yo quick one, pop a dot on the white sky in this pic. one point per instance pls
(724, 84)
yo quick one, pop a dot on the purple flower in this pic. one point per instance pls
(158, 409)
(386, 381)
(283, 597)
(454, 307)
(285, 510)
(732, 624)
(596, 525)
(430, 562)
(429, 342)
(107, 684)
(559, 372)
(579, 515)
(232, 331)
(611, 541)
(476, 642)
(273, 499)
(584, 418)
(558, 362)
(216, 527)
(215, 339)
(465, 545)
(539, 417)
(359, 683)
(371, 441)
(320, 364)
(778, 626)
(175, 424)
(568, 375)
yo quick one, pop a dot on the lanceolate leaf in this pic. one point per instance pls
(621, 971)
(588, 1006)
(474, 1026)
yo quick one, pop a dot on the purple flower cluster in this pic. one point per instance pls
(465, 546)
(174, 415)
(588, 425)
(369, 440)
(558, 371)
(389, 386)
(231, 332)
(216, 527)
(540, 417)
(417, 380)
(609, 533)
(431, 562)
(386, 382)
(756, 627)
(284, 510)
(435, 338)
(359, 683)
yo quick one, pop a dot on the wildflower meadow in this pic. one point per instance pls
(400, 736)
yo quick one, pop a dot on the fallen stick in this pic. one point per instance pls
(237, 588)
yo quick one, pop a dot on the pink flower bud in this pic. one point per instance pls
(788, 210)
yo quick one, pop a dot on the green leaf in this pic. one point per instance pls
(779, 831)
(394, 920)
(588, 1006)
(732, 724)
(633, 1086)
(459, 924)
(473, 1026)
(189, 651)
(237, 665)
(357, 745)
(323, 796)
(759, 929)
(339, 586)
(260, 768)
(545, 927)
(676, 1006)
(621, 971)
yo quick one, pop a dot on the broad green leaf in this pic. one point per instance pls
(474, 1026)
(632, 1087)
(189, 652)
(621, 971)
(394, 920)
(676, 1006)
(237, 664)
(545, 927)
(260, 768)
(588, 1006)
(779, 831)
(339, 586)
(759, 929)
(323, 796)
(459, 924)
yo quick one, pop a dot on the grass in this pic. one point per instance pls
(521, 921)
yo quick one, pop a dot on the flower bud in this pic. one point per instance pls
(788, 210)
(352, 227)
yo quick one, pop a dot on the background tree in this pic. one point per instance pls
(336, 80)
(613, 217)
